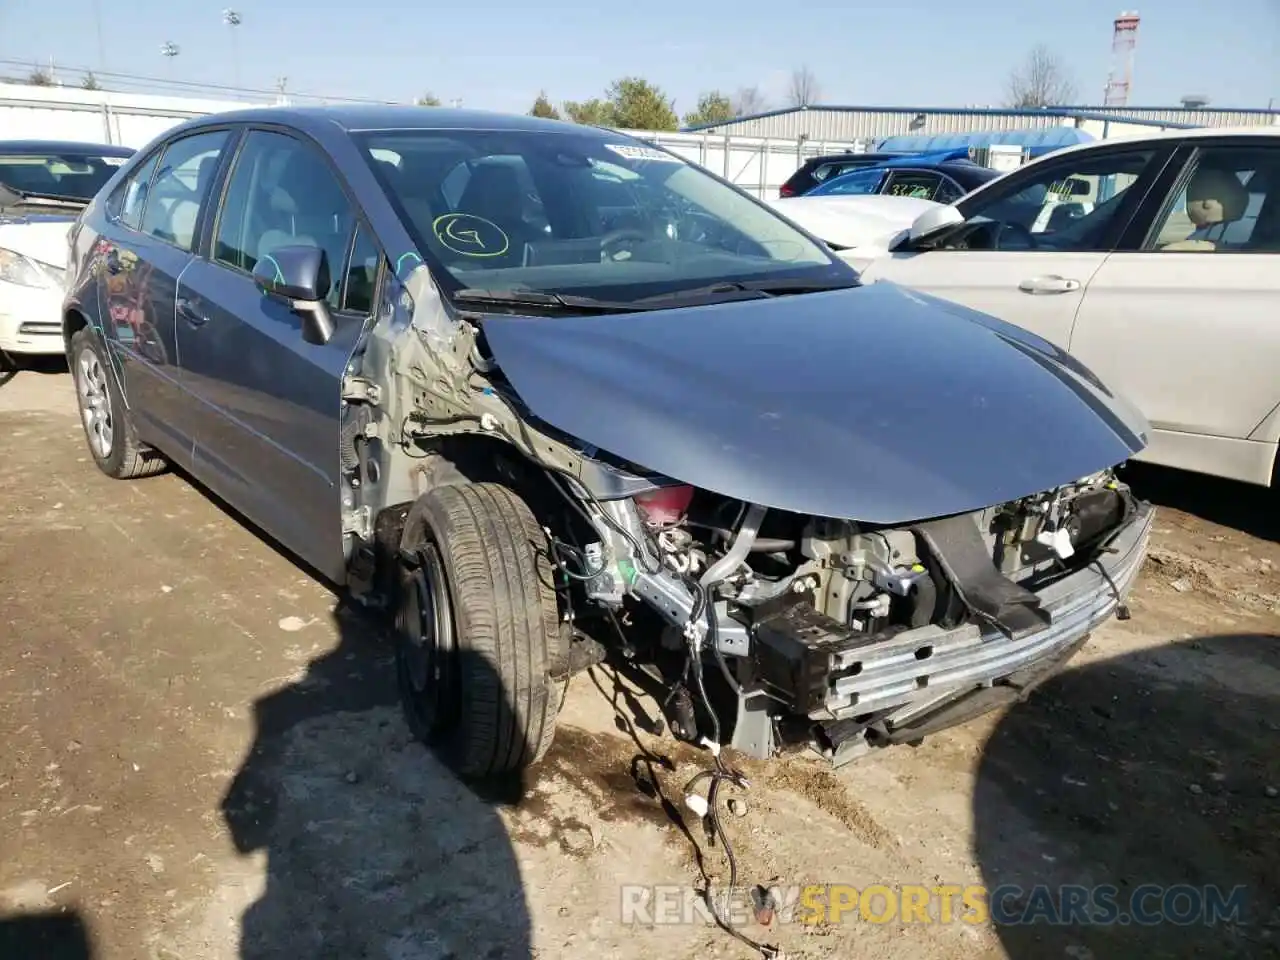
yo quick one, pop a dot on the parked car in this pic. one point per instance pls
(1154, 260)
(817, 169)
(943, 178)
(44, 184)
(409, 345)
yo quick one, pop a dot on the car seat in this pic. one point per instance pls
(307, 208)
(494, 193)
(183, 211)
(1232, 195)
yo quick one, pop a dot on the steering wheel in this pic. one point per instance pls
(619, 237)
(1016, 228)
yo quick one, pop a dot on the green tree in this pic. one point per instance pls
(428, 100)
(542, 108)
(639, 105)
(713, 107)
(90, 82)
(595, 112)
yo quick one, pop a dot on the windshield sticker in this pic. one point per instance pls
(114, 161)
(631, 152)
(471, 236)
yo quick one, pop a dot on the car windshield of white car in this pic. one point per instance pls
(585, 213)
(75, 177)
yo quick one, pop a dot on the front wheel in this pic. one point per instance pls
(477, 630)
(108, 428)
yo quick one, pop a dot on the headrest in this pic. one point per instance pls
(1211, 183)
(493, 186)
(204, 173)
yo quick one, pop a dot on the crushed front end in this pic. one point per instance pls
(847, 636)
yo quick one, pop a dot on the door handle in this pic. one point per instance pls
(189, 313)
(113, 261)
(1049, 284)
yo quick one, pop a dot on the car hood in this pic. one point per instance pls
(872, 403)
(41, 236)
(860, 222)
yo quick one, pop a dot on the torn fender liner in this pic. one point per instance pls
(956, 544)
(871, 403)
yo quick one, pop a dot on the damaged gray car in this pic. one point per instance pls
(544, 393)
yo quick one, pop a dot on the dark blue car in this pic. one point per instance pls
(538, 390)
(943, 177)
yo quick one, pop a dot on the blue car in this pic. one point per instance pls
(537, 391)
(943, 177)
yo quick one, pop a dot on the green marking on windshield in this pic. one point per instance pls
(405, 256)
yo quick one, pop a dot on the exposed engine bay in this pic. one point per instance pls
(791, 611)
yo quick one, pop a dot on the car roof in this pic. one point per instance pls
(65, 146)
(361, 117)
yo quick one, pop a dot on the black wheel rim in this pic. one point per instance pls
(428, 663)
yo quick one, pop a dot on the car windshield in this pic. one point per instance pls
(586, 212)
(61, 175)
(857, 183)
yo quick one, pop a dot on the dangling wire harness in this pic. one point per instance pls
(708, 808)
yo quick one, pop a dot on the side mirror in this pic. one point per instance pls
(933, 221)
(299, 275)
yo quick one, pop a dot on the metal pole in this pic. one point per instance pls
(97, 25)
(233, 20)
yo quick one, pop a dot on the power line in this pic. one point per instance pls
(139, 79)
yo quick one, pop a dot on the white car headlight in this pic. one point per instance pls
(28, 272)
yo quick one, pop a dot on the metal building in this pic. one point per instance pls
(840, 123)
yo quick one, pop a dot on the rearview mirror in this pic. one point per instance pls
(1077, 187)
(934, 220)
(299, 275)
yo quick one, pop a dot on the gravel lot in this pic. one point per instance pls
(205, 760)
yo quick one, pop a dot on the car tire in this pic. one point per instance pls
(108, 427)
(477, 630)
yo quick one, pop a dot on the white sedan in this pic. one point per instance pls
(1154, 260)
(43, 187)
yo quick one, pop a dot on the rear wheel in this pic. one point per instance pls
(477, 629)
(107, 425)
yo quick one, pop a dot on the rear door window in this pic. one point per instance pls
(181, 186)
(129, 199)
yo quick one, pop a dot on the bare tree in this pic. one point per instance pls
(40, 77)
(1041, 81)
(748, 101)
(803, 89)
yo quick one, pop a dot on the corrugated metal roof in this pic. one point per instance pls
(848, 123)
(1038, 141)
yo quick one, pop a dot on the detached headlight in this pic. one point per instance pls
(28, 272)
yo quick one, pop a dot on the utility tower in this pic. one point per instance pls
(1124, 40)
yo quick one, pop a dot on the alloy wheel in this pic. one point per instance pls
(95, 404)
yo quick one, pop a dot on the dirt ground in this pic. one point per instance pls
(204, 760)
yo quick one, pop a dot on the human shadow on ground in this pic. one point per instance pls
(373, 848)
(1148, 782)
(48, 935)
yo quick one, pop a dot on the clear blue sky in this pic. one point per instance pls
(497, 54)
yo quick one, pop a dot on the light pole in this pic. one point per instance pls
(169, 50)
(97, 25)
(232, 19)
